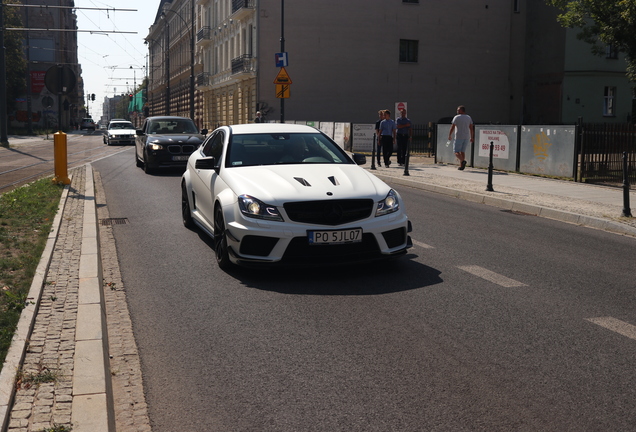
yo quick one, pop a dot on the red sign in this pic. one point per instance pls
(37, 81)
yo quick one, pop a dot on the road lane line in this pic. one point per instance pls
(422, 245)
(615, 325)
(491, 276)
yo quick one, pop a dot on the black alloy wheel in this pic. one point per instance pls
(220, 241)
(186, 214)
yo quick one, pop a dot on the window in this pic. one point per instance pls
(408, 51)
(609, 102)
(611, 52)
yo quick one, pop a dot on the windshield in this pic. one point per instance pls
(284, 148)
(122, 125)
(185, 126)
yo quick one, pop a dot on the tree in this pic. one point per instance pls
(602, 23)
(14, 55)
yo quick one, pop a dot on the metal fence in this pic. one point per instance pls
(601, 152)
(423, 139)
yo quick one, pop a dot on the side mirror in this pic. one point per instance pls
(206, 163)
(204, 131)
(140, 132)
(359, 158)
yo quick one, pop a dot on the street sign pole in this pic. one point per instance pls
(282, 49)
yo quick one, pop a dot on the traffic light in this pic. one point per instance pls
(93, 96)
(130, 97)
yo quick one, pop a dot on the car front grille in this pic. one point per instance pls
(329, 212)
(181, 149)
(301, 252)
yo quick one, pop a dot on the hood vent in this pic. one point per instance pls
(302, 181)
(334, 180)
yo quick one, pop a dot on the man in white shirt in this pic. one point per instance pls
(464, 133)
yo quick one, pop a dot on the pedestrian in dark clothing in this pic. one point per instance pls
(387, 137)
(403, 135)
(377, 133)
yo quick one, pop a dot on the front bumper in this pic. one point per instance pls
(254, 241)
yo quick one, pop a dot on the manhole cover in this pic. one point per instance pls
(113, 221)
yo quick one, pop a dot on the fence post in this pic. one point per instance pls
(408, 156)
(626, 210)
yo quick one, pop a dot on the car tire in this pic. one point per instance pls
(186, 213)
(220, 241)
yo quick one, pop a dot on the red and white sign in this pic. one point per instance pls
(399, 106)
(499, 139)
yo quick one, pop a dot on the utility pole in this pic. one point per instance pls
(4, 139)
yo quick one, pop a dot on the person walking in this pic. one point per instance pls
(377, 134)
(464, 129)
(403, 135)
(259, 118)
(387, 137)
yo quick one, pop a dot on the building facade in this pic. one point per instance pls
(52, 47)
(507, 61)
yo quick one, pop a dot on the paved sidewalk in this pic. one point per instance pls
(81, 331)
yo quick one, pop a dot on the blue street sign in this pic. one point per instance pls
(281, 59)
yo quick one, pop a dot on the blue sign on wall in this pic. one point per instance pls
(281, 59)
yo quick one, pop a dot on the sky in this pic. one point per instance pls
(106, 58)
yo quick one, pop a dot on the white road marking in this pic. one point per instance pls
(422, 245)
(491, 276)
(615, 325)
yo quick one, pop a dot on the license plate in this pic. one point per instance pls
(352, 235)
(180, 158)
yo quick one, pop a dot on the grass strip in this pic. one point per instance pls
(26, 217)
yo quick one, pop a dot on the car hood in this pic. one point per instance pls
(277, 184)
(122, 132)
(176, 138)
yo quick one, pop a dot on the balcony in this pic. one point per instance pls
(242, 8)
(203, 81)
(242, 64)
(204, 36)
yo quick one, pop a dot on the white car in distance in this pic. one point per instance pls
(120, 132)
(287, 194)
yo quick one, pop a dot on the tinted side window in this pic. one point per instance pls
(214, 145)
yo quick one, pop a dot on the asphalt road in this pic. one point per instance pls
(22, 163)
(495, 321)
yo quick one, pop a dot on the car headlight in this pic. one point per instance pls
(389, 204)
(153, 146)
(252, 207)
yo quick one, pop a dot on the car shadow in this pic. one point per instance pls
(402, 273)
(382, 277)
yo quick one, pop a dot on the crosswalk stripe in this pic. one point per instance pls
(615, 325)
(491, 276)
(422, 245)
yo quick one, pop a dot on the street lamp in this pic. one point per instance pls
(163, 16)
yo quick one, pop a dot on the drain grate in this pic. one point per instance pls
(518, 213)
(113, 221)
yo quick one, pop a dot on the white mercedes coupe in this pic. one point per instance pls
(287, 194)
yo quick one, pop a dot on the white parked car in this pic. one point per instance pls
(272, 193)
(120, 132)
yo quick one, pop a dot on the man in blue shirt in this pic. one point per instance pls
(403, 136)
(387, 137)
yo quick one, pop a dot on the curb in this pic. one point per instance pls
(93, 406)
(535, 210)
(17, 350)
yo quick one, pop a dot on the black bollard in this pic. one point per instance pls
(408, 155)
(626, 210)
(490, 167)
(373, 152)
